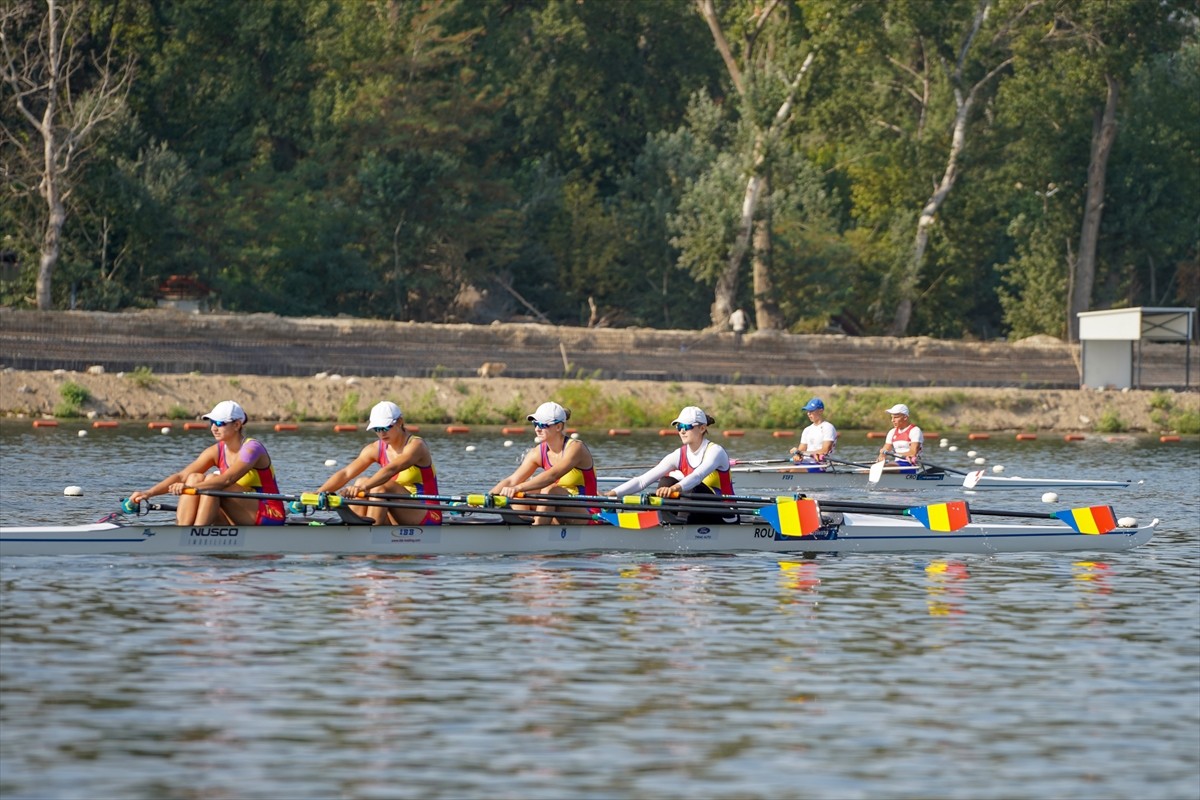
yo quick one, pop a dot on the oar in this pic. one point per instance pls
(136, 508)
(791, 516)
(854, 464)
(345, 514)
(456, 503)
(1086, 519)
(951, 470)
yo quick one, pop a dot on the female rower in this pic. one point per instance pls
(242, 465)
(565, 463)
(405, 467)
(700, 467)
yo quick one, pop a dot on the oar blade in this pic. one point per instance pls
(972, 479)
(1092, 519)
(875, 473)
(793, 517)
(639, 520)
(942, 517)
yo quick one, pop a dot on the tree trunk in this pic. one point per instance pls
(906, 290)
(725, 296)
(1104, 133)
(766, 307)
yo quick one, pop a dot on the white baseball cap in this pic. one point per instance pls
(899, 408)
(691, 415)
(548, 414)
(384, 415)
(226, 411)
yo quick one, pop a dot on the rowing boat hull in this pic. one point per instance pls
(767, 480)
(843, 533)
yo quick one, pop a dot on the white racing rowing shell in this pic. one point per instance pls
(840, 533)
(759, 480)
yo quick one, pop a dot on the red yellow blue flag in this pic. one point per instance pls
(1095, 519)
(631, 519)
(793, 517)
(943, 517)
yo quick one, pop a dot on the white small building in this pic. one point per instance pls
(1112, 342)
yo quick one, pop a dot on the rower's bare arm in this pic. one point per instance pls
(205, 461)
(339, 479)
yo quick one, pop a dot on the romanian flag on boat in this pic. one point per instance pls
(631, 519)
(793, 517)
(943, 517)
(1095, 519)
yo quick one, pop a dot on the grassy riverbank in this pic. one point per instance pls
(143, 395)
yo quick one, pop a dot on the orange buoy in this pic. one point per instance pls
(1074, 437)
(286, 426)
(345, 428)
(104, 423)
(1171, 438)
(619, 431)
(45, 423)
(978, 436)
(412, 428)
(155, 425)
(876, 435)
(195, 426)
(784, 434)
(667, 431)
(733, 433)
(931, 434)
(457, 429)
(1026, 437)
(513, 429)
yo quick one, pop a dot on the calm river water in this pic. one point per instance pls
(614, 676)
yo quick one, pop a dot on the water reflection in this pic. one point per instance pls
(946, 587)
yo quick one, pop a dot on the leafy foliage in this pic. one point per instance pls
(585, 163)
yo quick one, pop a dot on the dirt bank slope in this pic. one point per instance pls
(595, 404)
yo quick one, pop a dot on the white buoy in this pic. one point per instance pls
(470, 448)
(331, 462)
(981, 461)
(508, 442)
(1127, 522)
(574, 435)
(73, 491)
(943, 442)
(953, 448)
(82, 434)
(1050, 497)
(164, 430)
(972, 453)
(998, 469)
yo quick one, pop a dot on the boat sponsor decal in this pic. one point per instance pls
(704, 533)
(566, 535)
(211, 538)
(923, 476)
(405, 535)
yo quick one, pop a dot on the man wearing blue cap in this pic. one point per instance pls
(818, 439)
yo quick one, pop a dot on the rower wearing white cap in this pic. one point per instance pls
(242, 465)
(699, 466)
(565, 463)
(405, 467)
(904, 440)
